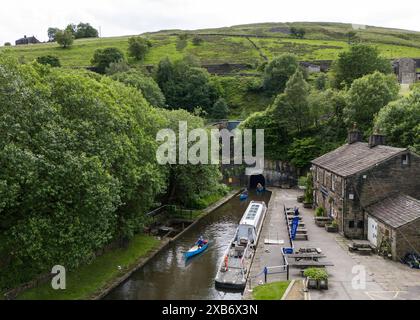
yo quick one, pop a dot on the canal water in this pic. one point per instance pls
(168, 276)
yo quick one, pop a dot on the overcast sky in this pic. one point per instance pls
(127, 17)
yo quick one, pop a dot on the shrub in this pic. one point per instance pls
(309, 197)
(302, 181)
(138, 47)
(320, 212)
(7, 44)
(316, 273)
(52, 61)
(197, 40)
(102, 58)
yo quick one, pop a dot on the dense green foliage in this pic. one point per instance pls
(316, 273)
(85, 30)
(367, 95)
(400, 121)
(64, 38)
(186, 85)
(52, 61)
(303, 151)
(138, 47)
(79, 168)
(278, 72)
(102, 58)
(360, 60)
(220, 109)
(147, 86)
(82, 30)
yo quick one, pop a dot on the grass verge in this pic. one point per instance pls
(270, 291)
(86, 280)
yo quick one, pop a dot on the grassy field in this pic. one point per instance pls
(271, 291)
(323, 41)
(90, 278)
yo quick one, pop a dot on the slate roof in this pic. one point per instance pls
(356, 157)
(396, 210)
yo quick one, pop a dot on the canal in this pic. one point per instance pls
(168, 276)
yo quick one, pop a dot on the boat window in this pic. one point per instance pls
(252, 212)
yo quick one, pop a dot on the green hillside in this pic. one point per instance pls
(239, 44)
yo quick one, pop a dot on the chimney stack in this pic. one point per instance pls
(354, 135)
(376, 139)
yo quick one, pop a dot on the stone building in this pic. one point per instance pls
(406, 70)
(394, 225)
(356, 175)
(27, 40)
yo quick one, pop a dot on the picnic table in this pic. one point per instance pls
(303, 264)
(306, 256)
(309, 250)
(290, 217)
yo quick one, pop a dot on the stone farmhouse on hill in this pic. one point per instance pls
(27, 40)
(372, 191)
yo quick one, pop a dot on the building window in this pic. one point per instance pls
(404, 159)
(351, 224)
(360, 225)
(333, 178)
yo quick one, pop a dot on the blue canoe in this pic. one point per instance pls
(196, 250)
(243, 196)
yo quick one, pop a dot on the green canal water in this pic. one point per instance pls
(169, 276)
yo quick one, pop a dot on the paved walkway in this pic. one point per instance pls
(385, 279)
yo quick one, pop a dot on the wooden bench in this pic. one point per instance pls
(304, 264)
(306, 256)
(290, 217)
(301, 236)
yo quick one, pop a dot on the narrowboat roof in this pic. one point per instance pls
(252, 213)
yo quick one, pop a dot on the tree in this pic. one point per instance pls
(102, 58)
(322, 81)
(359, 61)
(400, 121)
(7, 44)
(292, 106)
(52, 61)
(220, 109)
(147, 86)
(85, 30)
(51, 34)
(206, 177)
(72, 28)
(303, 151)
(367, 96)
(351, 36)
(197, 40)
(117, 67)
(64, 38)
(278, 72)
(79, 167)
(138, 47)
(297, 32)
(186, 86)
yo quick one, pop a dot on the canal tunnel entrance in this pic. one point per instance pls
(255, 179)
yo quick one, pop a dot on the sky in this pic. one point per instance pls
(129, 17)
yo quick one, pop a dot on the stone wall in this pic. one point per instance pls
(407, 239)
